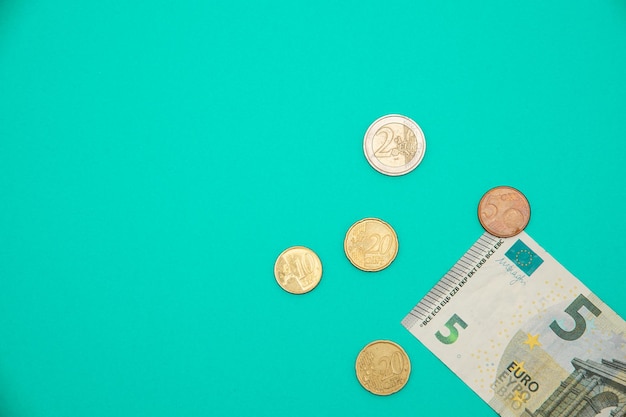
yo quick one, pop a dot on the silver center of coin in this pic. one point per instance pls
(394, 145)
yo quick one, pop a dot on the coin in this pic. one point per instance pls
(503, 211)
(371, 244)
(394, 145)
(298, 270)
(383, 367)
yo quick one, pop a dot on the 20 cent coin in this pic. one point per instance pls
(394, 145)
(383, 367)
(503, 211)
(371, 244)
(298, 270)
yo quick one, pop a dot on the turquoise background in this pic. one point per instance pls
(156, 157)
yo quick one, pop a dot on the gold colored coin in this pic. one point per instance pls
(298, 270)
(503, 211)
(371, 244)
(383, 367)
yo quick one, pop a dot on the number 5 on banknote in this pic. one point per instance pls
(454, 332)
(525, 334)
(574, 311)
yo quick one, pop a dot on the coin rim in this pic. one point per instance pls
(382, 341)
(314, 254)
(375, 162)
(490, 231)
(395, 235)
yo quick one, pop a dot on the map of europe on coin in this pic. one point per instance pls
(525, 334)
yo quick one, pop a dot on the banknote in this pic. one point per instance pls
(525, 334)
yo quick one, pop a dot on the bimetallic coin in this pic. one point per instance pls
(503, 211)
(383, 367)
(298, 270)
(371, 244)
(394, 145)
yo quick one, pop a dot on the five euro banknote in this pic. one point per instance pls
(525, 334)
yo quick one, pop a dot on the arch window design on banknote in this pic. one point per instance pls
(544, 346)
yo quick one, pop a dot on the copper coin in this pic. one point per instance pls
(503, 211)
(298, 270)
(383, 367)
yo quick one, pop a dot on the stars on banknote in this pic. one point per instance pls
(617, 339)
(532, 341)
(518, 397)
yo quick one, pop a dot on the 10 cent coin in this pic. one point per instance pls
(383, 367)
(371, 244)
(503, 211)
(394, 145)
(298, 270)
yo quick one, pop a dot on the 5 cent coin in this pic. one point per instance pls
(394, 145)
(371, 244)
(298, 270)
(383, 367)
(503, 211)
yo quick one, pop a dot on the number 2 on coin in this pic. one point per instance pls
(574, 312)
(454, 332)
(379, 245)
(383, 150)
